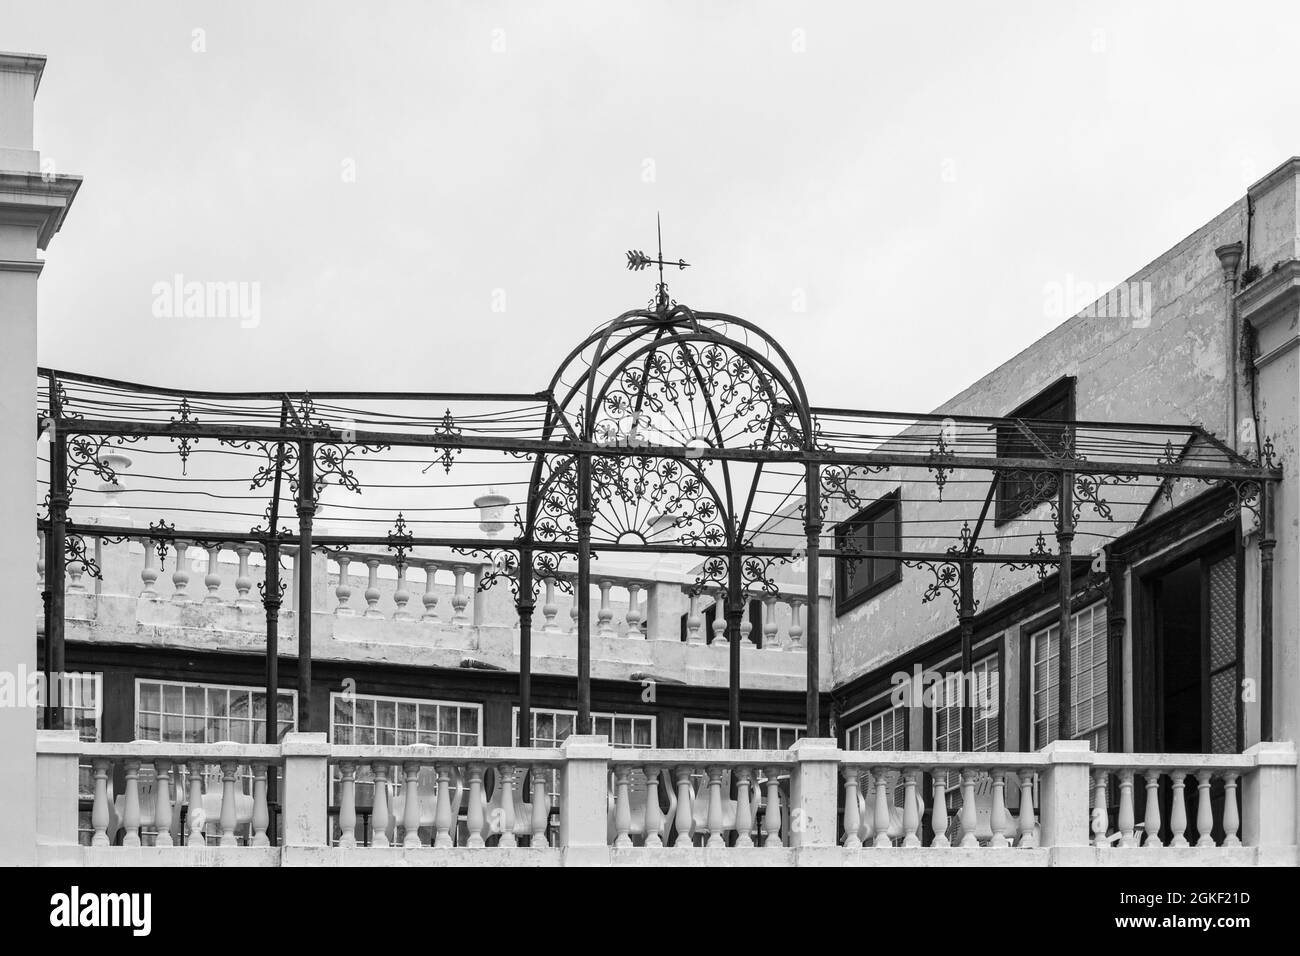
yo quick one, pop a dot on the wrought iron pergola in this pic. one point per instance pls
(666, 430)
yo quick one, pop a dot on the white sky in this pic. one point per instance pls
(1081, 140)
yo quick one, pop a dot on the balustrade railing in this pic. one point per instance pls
(441, 592)
(596, 804)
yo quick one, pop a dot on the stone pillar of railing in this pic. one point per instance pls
(814, 792)
(57, 785)
(372, 589)
(149, 573)
(694, 620)
(1064, 793)
(212, 580)
(181, 573)
(430, 597)
(304, 802)
(550, 609)
(243, 580)
(796, 624)
(720, 619)
(633, 617)
(605, 614)
(769, 623)
(401, 595)
(459, 599)
(1268, 803)
(664, 606)
(585, 802)
(343, 589)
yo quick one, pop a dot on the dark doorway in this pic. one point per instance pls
(1191, 644)
(1178, 613)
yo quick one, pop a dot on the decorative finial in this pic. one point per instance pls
(638, 260)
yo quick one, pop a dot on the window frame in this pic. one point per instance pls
(845, 602)
(901, 712)
(395, 699)
(1005, 509)
(1043, 627)
(208, 685)
(595, 715)
(760, 725)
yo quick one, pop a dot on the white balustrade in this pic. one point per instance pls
(180, 573)
(372, 590)
(243, 579)
(401, 595)
(430, 597)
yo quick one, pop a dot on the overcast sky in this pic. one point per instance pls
(440, 195)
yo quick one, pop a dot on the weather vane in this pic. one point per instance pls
(638, 260)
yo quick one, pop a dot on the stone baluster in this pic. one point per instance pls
(411, 805)
(939, 807)
(229, 768)
(1151, 824)
(1125, 819)
(883, 794)
(772, 813)
(685, 819)
(541, 810)
(442, 818)
(744, 807)
(506, 788)
(99, 809)
(343, 590)
(746, 629)
(347, 804)
(262, 813)
(1204, 812)
(401, 595)
(968, 816)
(474, 817)
(1178, 810)
(76, 571)
(633, 610)
(911, 811)
(713, 819)
(149, 574)
(999, 818)
(372, 590)
(181, 574)
(1026, 822)
(212, 580)
(573, 612)
(131, 804)
(796, 624)
(694, 620)
(605, 614)
(379, 808)
(197, 820)
(852, 813)
(867, 827)
(622, 807)
(550, 609)
(162, 802)
(1231, 815)
(243, 580)
(459, 600)
(429, 599)
(769, 623)
(1100, 814)
(720, 638)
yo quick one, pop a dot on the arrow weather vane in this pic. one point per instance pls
(638, 260)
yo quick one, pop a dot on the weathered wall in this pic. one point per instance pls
(1170, 365)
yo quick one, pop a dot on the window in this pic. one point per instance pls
(886, 730)
(176, 712)
(82, 699)
(1088, 691)
(983, 691)
(875, 528)
(551, 727)
(702, 734)
(400, 721)
(1039, 433)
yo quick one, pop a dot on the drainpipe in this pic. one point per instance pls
(1230, 258)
